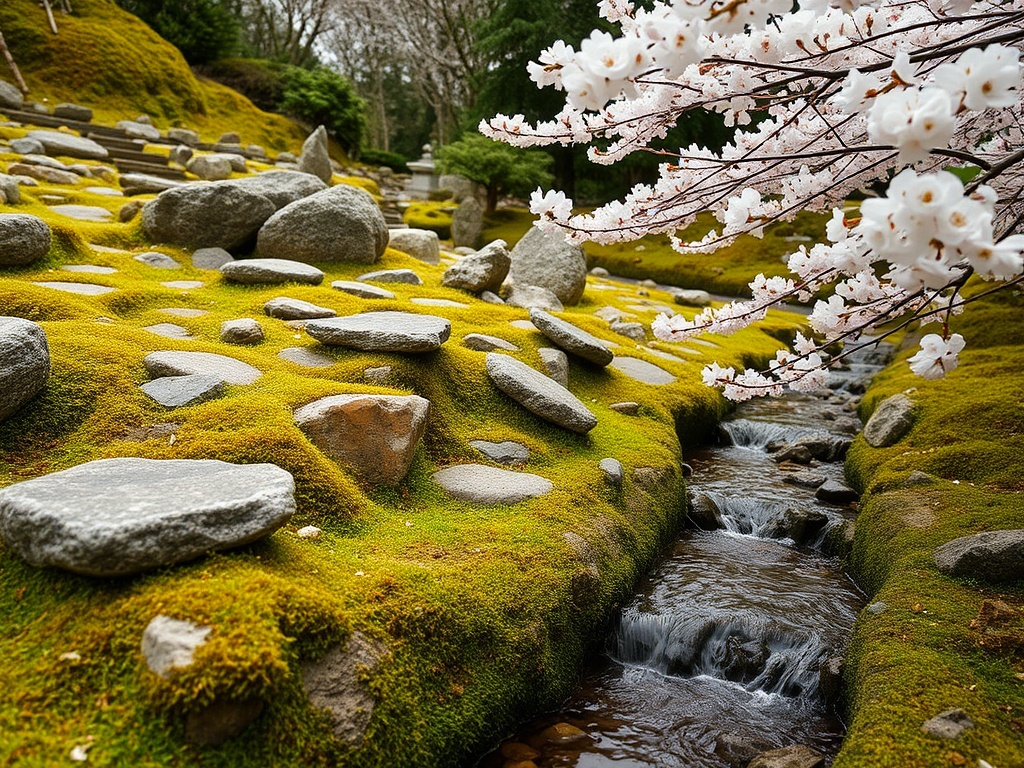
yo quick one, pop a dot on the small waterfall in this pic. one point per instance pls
(765, 519)
(758, 654)
(745, 433)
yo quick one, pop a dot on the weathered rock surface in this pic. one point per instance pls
(23, 239)
(574, 340)
(375, 435)
(10, 192)
(468, 223)
(315, 159)
(270, 272)
(307, 358)
(805, 478)
(835, 492)
(484, 270)
(539, 394)
(641, 370)
(950, 724)
(281, 187)
(382, 332)
(244, 330)
(183, 136)
(10, 96)
(168, 643)
(421, 244)
(362, 290)
(68, 145)
(134, 129)
(157, 259)
(284, 308)
(73, 112)
(219, 214)
(210, 167)
(613, 470)
(531, 297)
(44, 173)
(481, 342)
(178, 391)
(993, 556)
(891, 420)
(184, 363)
(403, 276)
(143, 183)
(27, 147)
(481, 484)
(116, 517)
(552, 263)
(338, 224)
(796, 756)
(336, 683)
(691, 298)
(24, 363)
(83, 289)
(211, 258)
(507, 452)
(556, 363)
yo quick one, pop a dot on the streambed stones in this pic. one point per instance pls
(382, 332)
(115, 517)
(24, 363)
(539, 394)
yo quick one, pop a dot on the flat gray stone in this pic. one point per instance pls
(284, 308)
(539, 394)
(270, 272)
(405, 276)
(423, 301)
(184, 363)
(835, 492)
(950, 724)
(67, 145)
(556, 363)
(507, 452)
(73, 112)
(211, 258)
(491, 298)
(481, 484)
(168, 330)
(377, 375)
(891, 420)
(523, 325)
(24, 363)
(104, 191)
(804, 478)
(177, 391)
(574, 340)
(143, 183)
(993, 556)
(628, 407)
(183, 285)
(481, 342)
(641, 370)
(116, 517)
(183, 312)
(83, 212)
(27, 146)
(84, 289)
(169, 643)
(307, 358)
(23, 239)
(793, 756)
(89, 269)
(382, 332)
(613, 470)
(158, 260)
(244, 330)
(362, 290)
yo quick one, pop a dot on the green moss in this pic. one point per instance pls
(922, 656)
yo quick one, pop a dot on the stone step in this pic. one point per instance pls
(150, 158)
(153, 169)
(116, 142)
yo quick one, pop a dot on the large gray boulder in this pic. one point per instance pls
(23, 239)
(539, 394)
(375, 435)
(116, 517)
(890, 422)
(24, 363)
(481, 484)
(993, 556)
(552, 263)
(341, 223)
(213, 215)
(10, 96)
(573, 340)
(468, 224)
(530, 297)
(484, 270)
(315, 159)
(67, 145)
(382, 332)
(421, 244)
(281, 187)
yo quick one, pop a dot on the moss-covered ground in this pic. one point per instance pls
(476, 605)
(923, 655)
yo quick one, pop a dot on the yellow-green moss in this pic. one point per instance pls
(435, 216)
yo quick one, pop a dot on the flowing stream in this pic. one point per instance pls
(719, 655)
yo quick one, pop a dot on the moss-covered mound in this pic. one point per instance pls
(107, 59)
(485, 612)
(926, 653)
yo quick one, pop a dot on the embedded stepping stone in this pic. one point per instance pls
(427, 302)
(406, 276)
(362, 290)
(377, 375)
(284, 308)
(305, 357)
(83, 212)
(375, 435)
(184, 312)
(24, 363)
(628, 407)
(158, 260)
(383, 332)
(68, 145)
(184, 363)
(507, 452)
(211, 258)
(105, 191)
(539, 394)
(523, 325)
(480, 484)
(692, 298)
(183, 285)
(641, 370)
(89, 269)
(574, 340)
(481, 342)
(168, 330)
(270, 272)
(116, 517)
(176, 391)
(245, 330)
(667, 356)
(85, 289)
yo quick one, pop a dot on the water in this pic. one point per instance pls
(724, 643)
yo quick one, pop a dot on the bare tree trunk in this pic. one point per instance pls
(49, 15)
(14, 67)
